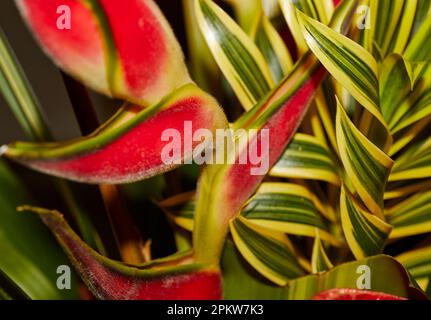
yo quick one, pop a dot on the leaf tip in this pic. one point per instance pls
(43, 213)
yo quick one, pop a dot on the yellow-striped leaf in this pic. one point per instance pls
(412, 216)
(387, 16)
(238, 57)
(405, 188)
(272, 47)
(365, 233)
(284, 207)
(417, 105)
(367, 166)
(319, 259)
(414, 163)
(269, 252)
(395, 85)
(390, 277)
(417, 262)
(348, 62)
(320, 10)
(307, 158)
(419, 48)
(288, 208)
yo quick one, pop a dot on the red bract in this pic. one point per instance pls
(129, 147)
(354, 294)
(170, 279)
(126, 51)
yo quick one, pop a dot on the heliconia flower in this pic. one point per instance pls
(125, 51)
(175, 278)
(354, 294)
(129, 146)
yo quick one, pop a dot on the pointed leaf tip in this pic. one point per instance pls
(132, 145)
(172, 278)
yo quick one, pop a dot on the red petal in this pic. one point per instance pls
(151, 58)
(79, 51)
(172, 279)
(136, 153)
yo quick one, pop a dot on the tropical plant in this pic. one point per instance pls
(343, 91)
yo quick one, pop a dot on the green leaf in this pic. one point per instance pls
(406, 23)
(387, 276)
(246, 13)
(30, 256)
(419, 48)
(320, 10)
(348, 62)
(414, 163)
(417, 262)
(307, 158)
(288, 208)
(395, 85)
(386, 17)
(319, 259)
(365, 233)
(269, 252)
(283, 207)
(412, 216)
(366, 165)
(18, 94)
(272, 47)
(238, 57)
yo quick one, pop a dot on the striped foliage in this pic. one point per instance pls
(319, 259)
(320, 10)
(365, 233)
(414, 163)
(395, 85)
(238, 57)
(307, 158)
(412, 216)
(272, 46)
(348, 62)
(288, 208)
(417, 262)
(419, 48)
(282, 207)
(269, 252)
(366, 165)
(392, 279)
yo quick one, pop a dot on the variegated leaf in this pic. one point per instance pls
(348, 62)
(412, 216)
(365, 233)
(414, 163)
(319, 259)
(417, 262)
(307, 158)
(238, 57)
(320, 10)
(269, 252)
(272, 47)
(366, 165)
